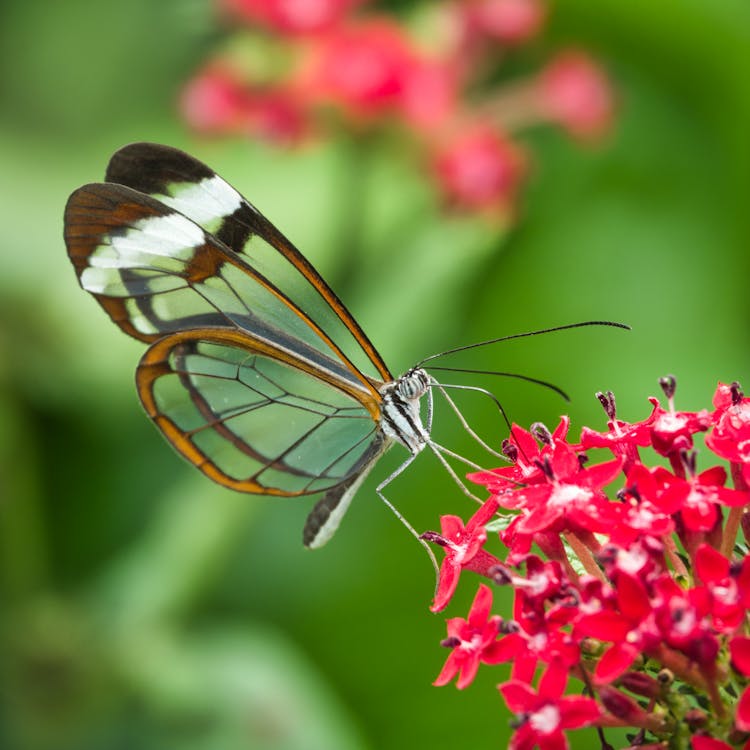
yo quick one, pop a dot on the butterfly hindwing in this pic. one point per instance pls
(251, 416)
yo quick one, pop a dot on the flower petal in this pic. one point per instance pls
(740, 650)
(614, 662)
(518, 695)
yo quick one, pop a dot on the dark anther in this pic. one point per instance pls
(541, 433)
(518, 721)
(737, 395)
(509, 450)
(607, 400)
(451, 642)
(500, 575)
(668, 384)
(507, 627)
(607, 555)
(571, 595)
(630, 491)
(434, 537)
(583, 459)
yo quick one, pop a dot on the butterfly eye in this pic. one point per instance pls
(413, 385)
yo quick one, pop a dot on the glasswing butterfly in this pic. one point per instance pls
(256, 372)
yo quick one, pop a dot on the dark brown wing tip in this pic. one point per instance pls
(151, 167)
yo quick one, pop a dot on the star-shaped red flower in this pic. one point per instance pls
(463, 549)
(544, 714)
(473, 640)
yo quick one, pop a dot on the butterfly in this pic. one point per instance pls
(255, 372)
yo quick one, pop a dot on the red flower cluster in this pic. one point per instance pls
(301, 66)
(645, 593)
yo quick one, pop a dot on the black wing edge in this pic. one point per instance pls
(328, 512)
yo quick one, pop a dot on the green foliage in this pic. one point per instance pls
(143, 607)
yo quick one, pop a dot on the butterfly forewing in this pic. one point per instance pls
(256, 372)
(193, 189)
(155, 271)
(250, 416)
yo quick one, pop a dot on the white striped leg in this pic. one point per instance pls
(439, 450)
(461, 417)
(393, 509)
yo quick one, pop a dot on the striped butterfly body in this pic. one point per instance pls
(255, 371)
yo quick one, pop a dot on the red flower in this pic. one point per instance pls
(292, 16)
(429, 94)
(730, 437)
(535, 633)
(509, 21)
(574, 92)
(473, 640)
(683, 620)
(622, 438)
(479, 168)
(629, 626)
(740, 651)
(463, 549)
(543, 715)
(363, 67)
(729, 586)
(527, 649)
(638, 516)
(643, 557)
(697, 498)
(672, 431)
(571, 498)
(215, 101)
(526, 454)
(703, 742)
(547, 643)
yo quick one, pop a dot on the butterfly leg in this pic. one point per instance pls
(379, 489)
(441, 451)
(461, 417)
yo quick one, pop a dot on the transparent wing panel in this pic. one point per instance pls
(256, 419)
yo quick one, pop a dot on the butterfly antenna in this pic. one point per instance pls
(518, 376)
(478, 344)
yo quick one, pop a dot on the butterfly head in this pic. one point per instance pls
(413, 384)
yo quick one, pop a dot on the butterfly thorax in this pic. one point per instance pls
(400, 416)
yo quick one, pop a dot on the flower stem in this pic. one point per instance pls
(583, 553)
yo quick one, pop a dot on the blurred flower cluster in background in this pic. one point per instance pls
(435, 78)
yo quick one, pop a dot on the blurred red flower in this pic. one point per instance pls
(292, 16)
(508, 21)
(478, 168)
(574, 92)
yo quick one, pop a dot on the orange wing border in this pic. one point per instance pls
(155, 363)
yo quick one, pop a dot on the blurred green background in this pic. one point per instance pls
(144, 607)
